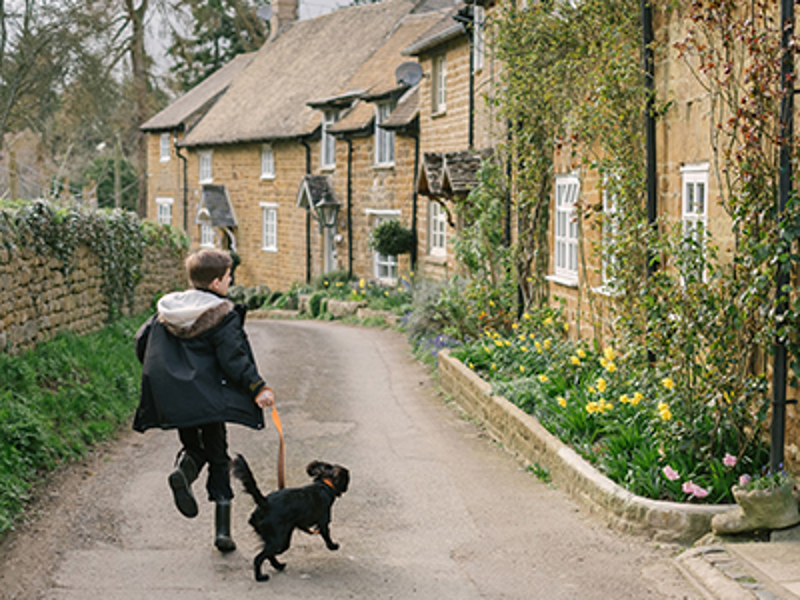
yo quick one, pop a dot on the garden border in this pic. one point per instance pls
(523, 435)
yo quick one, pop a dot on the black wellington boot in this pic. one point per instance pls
(180, 481)
(222, 521)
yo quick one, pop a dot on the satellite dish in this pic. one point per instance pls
(264, 13)
(409, 73)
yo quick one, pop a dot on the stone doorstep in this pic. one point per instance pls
(524, 436)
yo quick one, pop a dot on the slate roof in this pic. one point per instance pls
(406, 111)
(313, 189)
(309, 59)
(216, 201)
(200, 97)
(443, 31)
(448, 174)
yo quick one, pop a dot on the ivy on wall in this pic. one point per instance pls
(117, 238)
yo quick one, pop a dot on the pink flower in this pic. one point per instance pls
(671, 473)
(729, 460)
(744, 480)
(691, 488)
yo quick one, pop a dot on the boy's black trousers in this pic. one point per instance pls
(208, 444)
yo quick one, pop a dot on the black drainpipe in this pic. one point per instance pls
(308, 214)
(349, 207)
(414, 197)
(466, 17)
(778, 428)
(185, 191)
(650, 123)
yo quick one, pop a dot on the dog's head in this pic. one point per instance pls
(337, 475)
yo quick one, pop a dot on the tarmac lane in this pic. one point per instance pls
(435, 509)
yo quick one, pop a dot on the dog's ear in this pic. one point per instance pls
(341, 479)
(317, 469)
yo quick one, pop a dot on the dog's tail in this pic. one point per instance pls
(242, 471)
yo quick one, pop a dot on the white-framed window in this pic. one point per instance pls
(384, 140)
(208, 237)
(385, 265)
(267, 162)
(694, 216)
(206, 174)
(439, 83)
(566, 228)
(478, 30)
(164, 210)
(269, 226)
(164, 147)
(437, 229)
(328, 158)
(610, 230)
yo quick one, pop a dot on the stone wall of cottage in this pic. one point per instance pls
(37, 300)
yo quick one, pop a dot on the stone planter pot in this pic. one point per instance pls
(770, 508)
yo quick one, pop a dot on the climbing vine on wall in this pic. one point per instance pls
(117, 238)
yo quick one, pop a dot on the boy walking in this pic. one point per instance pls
(198, 374)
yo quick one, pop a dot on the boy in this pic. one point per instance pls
(199, 373)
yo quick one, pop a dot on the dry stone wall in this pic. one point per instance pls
(38, 299)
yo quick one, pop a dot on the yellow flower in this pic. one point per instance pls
(637, 397)
(498, 343)
(542, 378)
(325, 283)
(522, 368)
(562, 402)
(507, 343)
(548, 321)
(514, 326)
(609, 353)
(575, 360)
(494, 367)
(538, 347)
(547, 344)
(611, 367)
(601, 385)
(339, 284)
(604, 405)
(488, 350)
(522, 337)
(529, 279)
(386, 294)
(470, 365)
(591, 408)
(581, 353)
(566, 326)
(491, 303)
(592, 390)
(526, 316)
(524, 348)
(664, 412)
(668, 383)
(603, 363)
(624, 399)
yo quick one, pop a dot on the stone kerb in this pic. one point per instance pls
(523, 435)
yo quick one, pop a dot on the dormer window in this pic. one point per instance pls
(384, 140)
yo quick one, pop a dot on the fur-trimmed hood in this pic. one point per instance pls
(190, 313)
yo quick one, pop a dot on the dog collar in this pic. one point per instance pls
(329, 483)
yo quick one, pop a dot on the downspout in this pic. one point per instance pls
(650, 123)
(778, 427)
(308, 214)
(185, 191)
(414, 197)
(349, 207)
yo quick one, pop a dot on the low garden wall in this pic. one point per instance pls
(523, 435)
(37, 299)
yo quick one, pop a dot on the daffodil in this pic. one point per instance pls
(562, 402)
(566, 326)
(538, 347)
(575, 360)
(522, 368)
(542, 378)
(526, 316)
(580, 353)
(668, 383)
(637, 397)
(611, 367)
(608, 352)
(624, 399)
(548, 321)
(498, 343)
(547, 344)
(601, 385)
(494, 367)
(524, 348)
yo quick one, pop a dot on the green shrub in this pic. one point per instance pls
(59, 399)
(315, 304)
(390, 238)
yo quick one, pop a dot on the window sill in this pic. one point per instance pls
(562, 280)
(606, 291)
(436, 259)
(205, 182)
(270, 250)
(439, 113)
(383, 166)
(327, 169)
(267, 177)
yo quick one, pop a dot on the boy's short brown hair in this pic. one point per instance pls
(204, 266)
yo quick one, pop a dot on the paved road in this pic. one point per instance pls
(435, 509)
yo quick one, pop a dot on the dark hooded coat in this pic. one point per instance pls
(199, 373)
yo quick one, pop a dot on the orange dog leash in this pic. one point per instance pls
(276, 419)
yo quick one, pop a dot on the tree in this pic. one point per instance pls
(221, 30)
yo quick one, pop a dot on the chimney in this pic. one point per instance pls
(285, 13)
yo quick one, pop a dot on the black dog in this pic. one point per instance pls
(280, 513)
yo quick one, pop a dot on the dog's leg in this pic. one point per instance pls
(326, 535)
(277, 565)
(258, 561)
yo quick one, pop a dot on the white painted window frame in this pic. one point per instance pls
(208, 236)
(205, 166)
(694, 203)
(165, 147)
(384, 140)
(565, 234)
(439, 84)
(328, 141)
(164, 210)
(267, 162)
(269, 226)
(384, 266)
(478, 31)
(437, 229)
